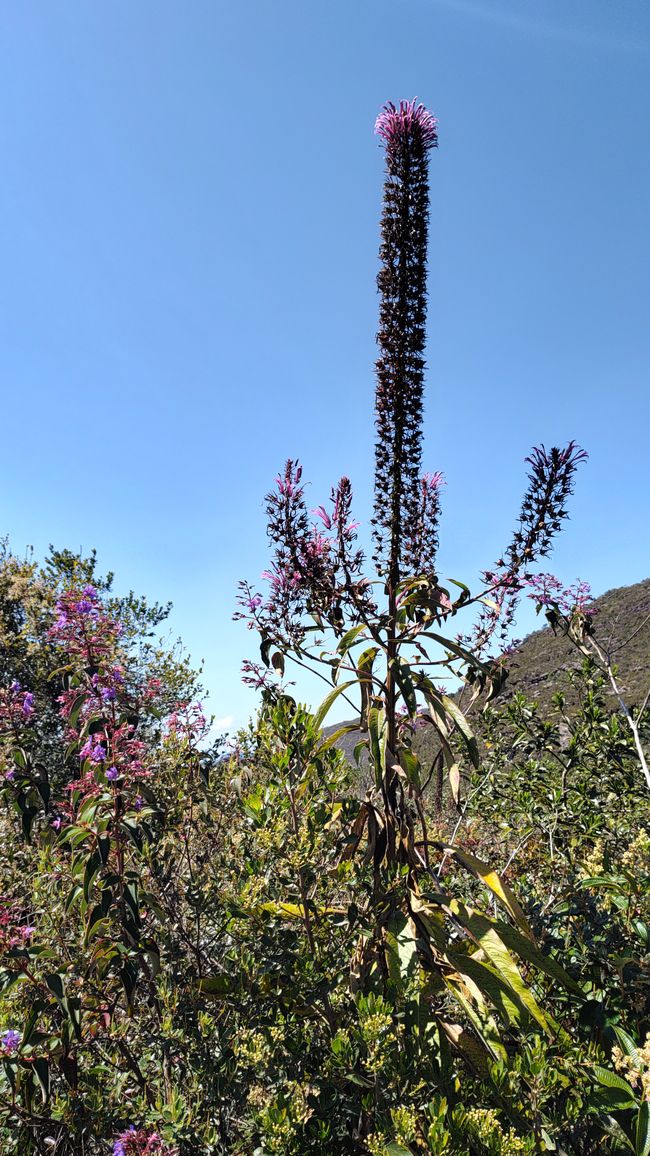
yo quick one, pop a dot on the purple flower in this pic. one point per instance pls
(11, 774)
(10, 1041)
(15, 686)
(108, 694)
(28, 705)
(57, 823)
(119, 1147)
(93, 750)
(112, 774)
(411, 119)
(138, 803)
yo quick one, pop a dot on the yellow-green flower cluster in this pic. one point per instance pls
(636, 1069)
(484, 1125)
(405, 1123)
(252, 1048)
(637, 857)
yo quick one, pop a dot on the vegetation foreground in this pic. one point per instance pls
(435, 946)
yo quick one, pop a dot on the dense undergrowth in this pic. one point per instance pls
(184, 944)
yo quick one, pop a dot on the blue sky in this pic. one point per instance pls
(190, 202)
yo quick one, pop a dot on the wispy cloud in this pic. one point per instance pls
(223, 724)
(522, 21)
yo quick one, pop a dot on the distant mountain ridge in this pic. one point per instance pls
(538, 665)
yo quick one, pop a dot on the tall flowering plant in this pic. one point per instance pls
(382, 635)
(389, 650)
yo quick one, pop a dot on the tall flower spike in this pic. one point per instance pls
(408, 133)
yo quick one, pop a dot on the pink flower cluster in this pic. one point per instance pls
(141, 1142)
(410, 119)
(100, 710)
(547, 591)
(83, 627)
(188, 722)
(12, 932)
(16, 707)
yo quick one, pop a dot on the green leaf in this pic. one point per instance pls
(401, 949)
(524, 946)
(404, 681)
(410, 762)
(621, 1095)
(486, 934)
(377, 731)
(329, 701)
(459, 651)
(332, 739)
(642, 1138)
(42, 1072)
(464, 728)
(626, 1043)
(349, 637)
(216, 986)
(495, 884)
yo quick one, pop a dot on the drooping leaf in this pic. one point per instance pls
(328, 702)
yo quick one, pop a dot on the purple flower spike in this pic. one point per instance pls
(410, 120)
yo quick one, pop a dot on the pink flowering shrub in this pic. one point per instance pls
(96, 757)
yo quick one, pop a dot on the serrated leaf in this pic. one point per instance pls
(620, 1094)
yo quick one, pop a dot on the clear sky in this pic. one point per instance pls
(189, 200)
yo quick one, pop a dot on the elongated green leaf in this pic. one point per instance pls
(485, 933)
(332, 739)
(627, 1044)
(495, 884)
(464, 728)
(401, 950)
(492, 985)
(524, 946)
(405, 683)
(41, 1068)
(473, 1051)
(329, 701)
(349, 638)
(377, 731)
(459, 651)
(642, 1138)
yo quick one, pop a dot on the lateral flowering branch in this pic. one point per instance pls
(544, 508)
(316, 570)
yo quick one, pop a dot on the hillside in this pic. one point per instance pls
(538, 664)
